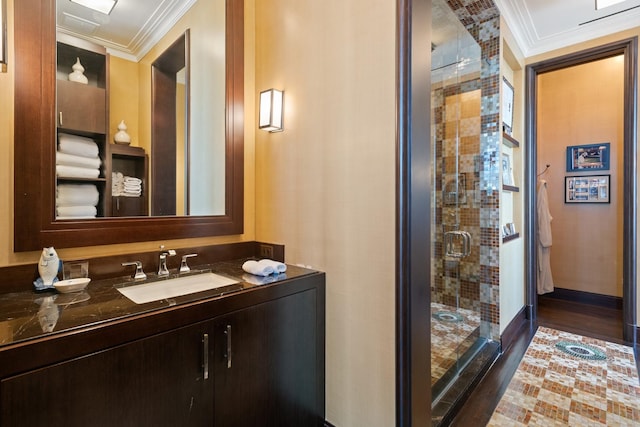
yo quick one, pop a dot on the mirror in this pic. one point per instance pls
(35, 145)
(145, 44)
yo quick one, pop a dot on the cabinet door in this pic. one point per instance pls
(81, 107)
(156, 381)
(266, 365)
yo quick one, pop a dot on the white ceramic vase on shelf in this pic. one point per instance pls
(78, 73)
(122, 137)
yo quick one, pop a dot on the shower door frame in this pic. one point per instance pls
(628, 48)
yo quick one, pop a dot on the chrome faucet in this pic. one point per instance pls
(139, 274)
(162, 267)
(184, 268)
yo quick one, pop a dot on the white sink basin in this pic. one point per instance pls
(163, 289)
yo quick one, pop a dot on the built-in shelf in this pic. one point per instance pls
(510, 188)
(510, 141)
(510, 237)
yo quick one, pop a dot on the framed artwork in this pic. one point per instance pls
(587, 189)
(507, 105)
(507, 171)
(587, 158)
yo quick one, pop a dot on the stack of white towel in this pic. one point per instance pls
(76, 201)
(128, 186)
(77, 157)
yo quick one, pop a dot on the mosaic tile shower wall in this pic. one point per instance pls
(457, 126)
(479, 284)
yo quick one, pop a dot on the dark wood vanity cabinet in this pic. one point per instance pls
(156, 381)
(265, 367)
(258, 364)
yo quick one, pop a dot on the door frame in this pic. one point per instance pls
(413, 214)
(629, 48)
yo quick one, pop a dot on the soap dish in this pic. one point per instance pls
(72, 285)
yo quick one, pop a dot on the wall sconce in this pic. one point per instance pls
(271, 110)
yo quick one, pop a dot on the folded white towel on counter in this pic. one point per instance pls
(278, 267)
(264, 267)
(253, 267)
(77, 145)
(77, 195)
(75, 217)
(258, 280)
(73, 160)
(132, 180)
(76, 211)
(76, 172)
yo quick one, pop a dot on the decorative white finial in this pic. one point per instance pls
(78, 73)
(122, 137)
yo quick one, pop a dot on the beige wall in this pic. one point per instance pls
(512, 263)
(123, 97)
(326, 185)
(8, 257)
(572, 110)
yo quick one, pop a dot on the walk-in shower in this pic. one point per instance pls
(458, 334)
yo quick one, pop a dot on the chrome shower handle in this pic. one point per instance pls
(464, 238)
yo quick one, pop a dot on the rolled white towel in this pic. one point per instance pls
(76, 172)
(77, 195)
(253, 267)
(77, 145)
(73, 160)
(255, 280)
(278, 267)
(76, 211)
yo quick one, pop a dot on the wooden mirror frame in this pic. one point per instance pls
(34, 146)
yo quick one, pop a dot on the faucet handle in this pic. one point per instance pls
(139, 274)
(183, 265)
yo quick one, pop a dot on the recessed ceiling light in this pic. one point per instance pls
(102, 6)
(601, 4)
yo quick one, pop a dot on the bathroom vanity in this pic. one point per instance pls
(244, 355)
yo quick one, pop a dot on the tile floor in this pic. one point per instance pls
(453, 331)
(553, 388)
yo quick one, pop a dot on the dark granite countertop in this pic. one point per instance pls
(31, 315)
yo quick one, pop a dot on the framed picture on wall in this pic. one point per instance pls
(507, 171)
(507, 106)
(587, 189)
(586, 158)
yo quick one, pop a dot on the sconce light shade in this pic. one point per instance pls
(271, 110)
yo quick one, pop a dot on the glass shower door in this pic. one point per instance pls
(455, 203)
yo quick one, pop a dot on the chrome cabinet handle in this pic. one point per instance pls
(229, 354)
(60, 118)
(205, 356)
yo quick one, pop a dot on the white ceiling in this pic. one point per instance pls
(543, 25)
(129, 31)
(134, 26)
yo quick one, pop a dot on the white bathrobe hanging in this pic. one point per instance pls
(545, 280)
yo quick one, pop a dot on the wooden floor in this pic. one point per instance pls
(584, 319)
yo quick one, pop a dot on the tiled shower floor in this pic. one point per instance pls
(453, 332)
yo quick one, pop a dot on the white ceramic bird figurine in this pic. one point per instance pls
(48, 266)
